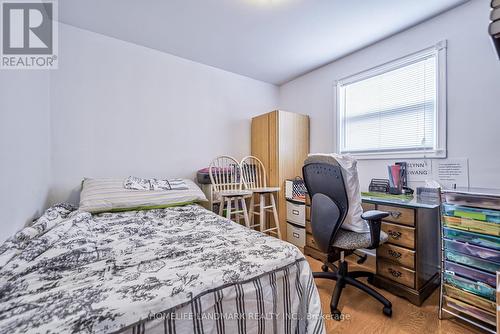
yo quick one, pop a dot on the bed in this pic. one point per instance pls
(180, 269)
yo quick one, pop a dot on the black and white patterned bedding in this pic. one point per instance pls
(175, 270)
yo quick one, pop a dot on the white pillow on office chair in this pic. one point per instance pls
(353, 220)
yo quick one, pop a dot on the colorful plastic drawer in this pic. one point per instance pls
(472, 225)
(476, 288)
(484, 215)
(472, 238)
(471, 273)
(476, 200)
(472, 261)
(476, 251)
(468, 309)
(470, 298)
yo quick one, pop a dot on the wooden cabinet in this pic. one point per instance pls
(280, 139)
(408, 263)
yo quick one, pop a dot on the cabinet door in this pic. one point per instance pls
(264, 147)
(260, 139)
(293, 146)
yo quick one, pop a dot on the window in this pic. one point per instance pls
(395, 110)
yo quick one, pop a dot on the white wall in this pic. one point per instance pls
(120, 109)
(473, 90)
(24, 147)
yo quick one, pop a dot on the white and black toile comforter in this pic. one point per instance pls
(175, 270)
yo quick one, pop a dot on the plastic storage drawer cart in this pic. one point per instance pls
(470, 256)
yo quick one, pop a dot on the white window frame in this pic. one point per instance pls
(440, 148)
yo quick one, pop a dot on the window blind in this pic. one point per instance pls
(393, 111)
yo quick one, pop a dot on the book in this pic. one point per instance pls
(396, 175)
(391, 180)
(404, 174)
(495, 14)
(494, 28)
(495, 3)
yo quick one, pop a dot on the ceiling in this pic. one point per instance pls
(269, 40)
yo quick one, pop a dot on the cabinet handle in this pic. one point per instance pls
(395, 273)
(395, 214)
(395, 254)
(394, 235)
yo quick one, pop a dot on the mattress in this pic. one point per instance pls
(175, 270)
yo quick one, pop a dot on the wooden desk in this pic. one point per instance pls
(408, 264)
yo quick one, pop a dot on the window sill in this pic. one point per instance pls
(441, 154)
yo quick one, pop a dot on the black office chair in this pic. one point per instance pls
(329, 201)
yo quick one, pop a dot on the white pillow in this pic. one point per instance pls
(353, 220)
(108, 194)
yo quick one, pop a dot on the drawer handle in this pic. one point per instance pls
(296, 235)
(394, 254)
(395, 273)
(295, 212)
(394, 235)
(395, 214)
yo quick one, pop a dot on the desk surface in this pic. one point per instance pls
(410, 202)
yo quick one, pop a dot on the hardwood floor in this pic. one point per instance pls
(364, 314)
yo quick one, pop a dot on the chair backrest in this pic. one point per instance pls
(225, 174)
(253, 172)
(329, 202)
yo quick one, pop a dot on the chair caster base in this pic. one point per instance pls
(387, 311)
(324, 268)
(336, 314)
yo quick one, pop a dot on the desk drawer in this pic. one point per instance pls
(399, 215)
(400, 235)
(296, 235)
(296, 213)
(311, 242)
(396, 273)
(397, 254)
(368, 206)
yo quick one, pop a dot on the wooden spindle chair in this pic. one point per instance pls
(254, 179)
(225, 175)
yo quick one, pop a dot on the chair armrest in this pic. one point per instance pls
(374, 215)
(374, 218)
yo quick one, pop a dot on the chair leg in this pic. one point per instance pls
(275, 215)
(245, 212)
(262, 202)
(221, 207)
(334, 303)
(228, 208)
(237, 216)
(370, 291)
(326, 275)
(250, 212)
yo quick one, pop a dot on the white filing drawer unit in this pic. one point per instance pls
(296, 235)
(296, 213)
